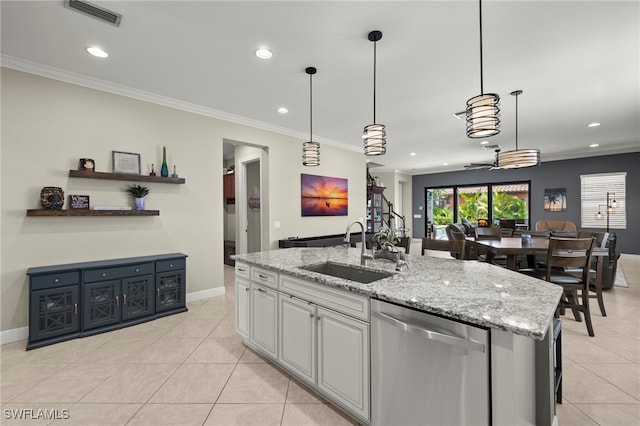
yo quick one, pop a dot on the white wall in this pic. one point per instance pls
(47, 125)
(391, 181)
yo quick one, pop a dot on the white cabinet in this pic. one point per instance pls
(343, 360)
(264, 308)
(243, 305)
(297, 322)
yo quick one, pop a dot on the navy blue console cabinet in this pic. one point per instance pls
(81, 299)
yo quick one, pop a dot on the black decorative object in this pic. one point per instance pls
(52, 198)
(87, 165)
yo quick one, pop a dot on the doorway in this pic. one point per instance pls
(254, 197)
(252, 233)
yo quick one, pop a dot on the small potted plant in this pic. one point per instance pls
(386, 239)
(138, 192)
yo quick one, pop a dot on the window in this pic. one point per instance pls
(594, 190)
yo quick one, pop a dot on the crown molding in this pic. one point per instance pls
(129, 92)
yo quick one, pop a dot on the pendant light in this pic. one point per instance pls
(483, 114)
(518, 158)
(374, 134)
(311, 149)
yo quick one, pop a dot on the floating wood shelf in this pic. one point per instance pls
(79, 212)
(124, 176)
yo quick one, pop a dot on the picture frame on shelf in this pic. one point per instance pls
(79, 202)
(126, 162)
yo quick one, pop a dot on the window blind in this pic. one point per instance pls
(593, 190)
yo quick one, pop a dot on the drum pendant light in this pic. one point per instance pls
(374, 135)
(311, 149)
(518, 158)
(483, 113)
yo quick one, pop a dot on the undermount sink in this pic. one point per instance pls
(352, 273)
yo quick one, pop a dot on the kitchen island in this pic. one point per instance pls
(317, 326)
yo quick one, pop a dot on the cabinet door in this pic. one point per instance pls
(170, 289)
(243, 305)
(137, 297)
(101, 304)
(297, 336)
(54, 312)
(263, 318)
(343, 360)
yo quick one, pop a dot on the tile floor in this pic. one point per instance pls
(192, 369)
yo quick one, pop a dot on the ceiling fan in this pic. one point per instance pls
(490, 166)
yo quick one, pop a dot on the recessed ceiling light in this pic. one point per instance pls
(484, 142)
(282, 110)
(594, 124)
(412, 154)
(594, 145)
(264, 53)
(445, 164)
(97, 52)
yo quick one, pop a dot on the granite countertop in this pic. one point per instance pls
(470, 291)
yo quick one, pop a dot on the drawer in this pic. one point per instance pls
(345, 302)
(264, 277)
(54, 280)
(104, 274)
(242, 270)
(170, 265)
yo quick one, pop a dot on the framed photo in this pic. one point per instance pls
(555, 199)
(324, 196)
(79, 202)
(126, 162)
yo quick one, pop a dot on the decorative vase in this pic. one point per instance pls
(174, 174)
(52, 198)
(139, 203)
(153, 170)
(164, 171)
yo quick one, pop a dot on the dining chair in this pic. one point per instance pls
(488, 233)
(404, 242)
(455, 247)
(569, 253)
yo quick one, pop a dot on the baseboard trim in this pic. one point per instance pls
(205, 294)
(22, 333)
(14, 335)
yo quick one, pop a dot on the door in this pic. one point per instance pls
(264, 319)
(169, 290)
(54, 312)
(137, 297)
(343, 359)
(297, 321)
(101, 304)
(243, 304)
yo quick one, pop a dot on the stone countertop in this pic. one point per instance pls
(475, 292)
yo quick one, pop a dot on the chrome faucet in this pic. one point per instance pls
(364, 256)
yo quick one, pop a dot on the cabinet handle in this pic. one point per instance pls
(171, 265)
(57, 280)
(262, 290)
(137, 269)
(264, 277)
(158, 292)
(310, 315)
(75, 308)
(117, 301)
(104, 274)
(246, 289)
(124, 299)
(242, 270)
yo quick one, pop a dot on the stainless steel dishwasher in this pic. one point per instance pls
(427, 370)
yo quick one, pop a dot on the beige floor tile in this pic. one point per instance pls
(249, 356)
(313, 415)
(69, 384)
(118, 350)
(226, 328)
(569, 415)
(582, 386)
(624, 376)
(300, 394)
(217, 350)
(612, 414)
(245, 415)
(580, 350)
(29, 413)
(99, 415)
(195, 327)
(194, 384)
(60, 353)
(133, 383)
(171, 415)
(255, 383)
(168, 350)
(16, 378)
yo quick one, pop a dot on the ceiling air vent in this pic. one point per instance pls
(95, 11)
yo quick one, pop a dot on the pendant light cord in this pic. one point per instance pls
(481, 79)
(374, 82)
(310, 107)
(517, 122)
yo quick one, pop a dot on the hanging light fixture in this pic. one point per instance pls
(518, 158)
(311, 149)
(483, 114)
(374, 135)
